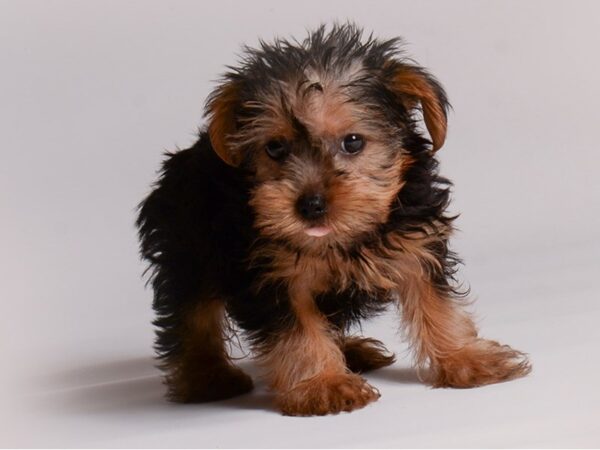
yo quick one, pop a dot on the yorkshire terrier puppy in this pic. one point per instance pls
(312, 201)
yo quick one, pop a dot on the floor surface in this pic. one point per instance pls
(112, 395)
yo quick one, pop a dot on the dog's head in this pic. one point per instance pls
(321, 127)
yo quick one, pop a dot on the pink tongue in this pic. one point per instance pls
(317, 231)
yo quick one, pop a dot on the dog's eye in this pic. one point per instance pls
(352, 143)
(277, 149)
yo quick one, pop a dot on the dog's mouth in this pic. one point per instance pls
(317, 232)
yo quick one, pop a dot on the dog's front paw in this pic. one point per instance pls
(479, 363)
(327, 394)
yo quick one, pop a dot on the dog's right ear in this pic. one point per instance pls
(221, 109)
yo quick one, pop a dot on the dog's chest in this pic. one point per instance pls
(368, 270)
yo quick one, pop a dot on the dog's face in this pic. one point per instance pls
(321, 129)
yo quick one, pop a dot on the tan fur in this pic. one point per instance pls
(204, 371)
(444, 336)
(327, 113)
(442, 333)
(329, 393)
(371, 273)
(356, 204)
(410, 83)
(222, 122)
(365, 354)
(479, 363)
(306, 367)
(309, 348)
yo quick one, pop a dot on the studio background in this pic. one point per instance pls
(91, 95)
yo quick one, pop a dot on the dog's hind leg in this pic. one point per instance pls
(201, 370)
(364, 354)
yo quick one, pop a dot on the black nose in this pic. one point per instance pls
(312, 207)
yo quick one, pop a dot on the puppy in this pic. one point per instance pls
(311, 201)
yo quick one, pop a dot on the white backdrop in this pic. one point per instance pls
(91, 94)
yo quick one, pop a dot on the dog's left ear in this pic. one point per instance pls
(221, 109)
(415, 86)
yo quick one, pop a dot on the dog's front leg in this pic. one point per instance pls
(445, 337)
(306, 367)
